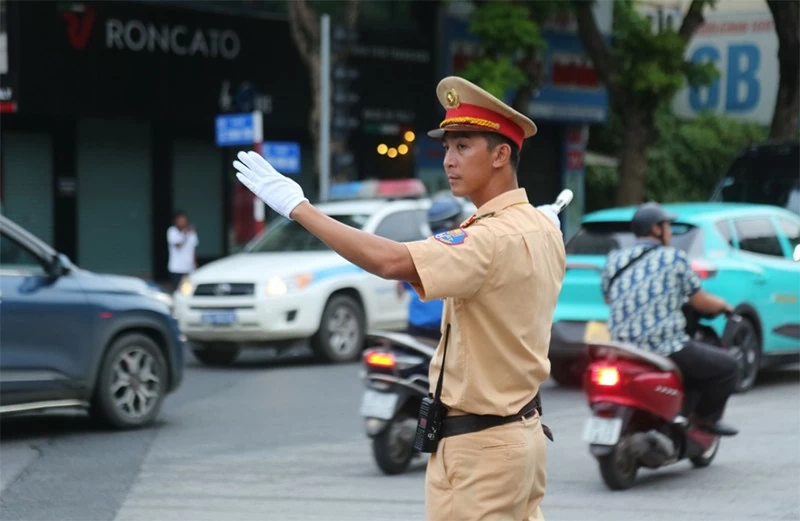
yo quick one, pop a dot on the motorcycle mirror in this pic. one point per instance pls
(563, 199)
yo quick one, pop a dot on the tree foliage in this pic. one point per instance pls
(649, 67)
(642, 69)
(304, 23)
(684, 162)
(510, 36)
(786, 14)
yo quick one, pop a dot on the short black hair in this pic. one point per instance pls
(179, 213)
(494, 139)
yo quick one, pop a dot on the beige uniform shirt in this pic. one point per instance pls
(500, 275)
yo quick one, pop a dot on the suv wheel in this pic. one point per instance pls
(216, 354)
(341, 332)
(132, 382)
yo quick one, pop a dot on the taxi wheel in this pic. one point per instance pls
(341, 331)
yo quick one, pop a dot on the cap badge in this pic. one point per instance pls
(452, 99)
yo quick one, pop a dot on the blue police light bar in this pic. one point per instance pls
(374, 189)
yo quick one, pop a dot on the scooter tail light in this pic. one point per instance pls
(605, 376)
(380, 359)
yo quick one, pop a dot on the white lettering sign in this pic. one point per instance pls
(137, 36)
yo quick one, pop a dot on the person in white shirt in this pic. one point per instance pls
(182, 241)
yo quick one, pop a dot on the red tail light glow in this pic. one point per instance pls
(605, 376)
(705, 270)
(379, 359)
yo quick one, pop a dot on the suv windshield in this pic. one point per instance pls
(763, 179)
(286, 235)
(600, 238)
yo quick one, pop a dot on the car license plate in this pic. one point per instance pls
(219, 318)
(596, 332)
(378, 405)
(602, 431)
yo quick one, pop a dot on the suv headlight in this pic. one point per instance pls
(186, 287)
(280, 286)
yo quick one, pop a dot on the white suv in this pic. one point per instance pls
(288, 285)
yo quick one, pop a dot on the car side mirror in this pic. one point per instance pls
(59, 265)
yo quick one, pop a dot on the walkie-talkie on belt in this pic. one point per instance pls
(432, 412)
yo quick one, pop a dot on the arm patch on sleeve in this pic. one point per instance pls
(453, 237)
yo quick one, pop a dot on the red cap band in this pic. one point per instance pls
(466, 115)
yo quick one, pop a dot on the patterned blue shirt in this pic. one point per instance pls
(646, 298)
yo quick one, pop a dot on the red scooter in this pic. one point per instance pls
(640, 412)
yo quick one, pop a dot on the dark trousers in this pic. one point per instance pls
(175, 279)
(709, 371)
(433, 333)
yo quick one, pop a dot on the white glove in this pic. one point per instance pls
(550, 211)
(279, 192)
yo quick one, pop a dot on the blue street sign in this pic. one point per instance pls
(283, 155)
(239, 129)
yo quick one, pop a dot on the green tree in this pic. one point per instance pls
(684, 162)
(304, 22)
(642, 69)
(511, 61)
(511, 42)
(786, 15)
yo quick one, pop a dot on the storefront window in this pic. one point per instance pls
(27, 196)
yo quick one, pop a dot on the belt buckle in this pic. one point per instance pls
(528, 415)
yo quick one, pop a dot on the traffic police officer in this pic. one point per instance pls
(500, 274)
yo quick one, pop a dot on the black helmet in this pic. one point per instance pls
(444, 213)
(646, 216)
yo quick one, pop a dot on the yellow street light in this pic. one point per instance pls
(382, 149)
(409, 136)
(402, 149)
(392, 152)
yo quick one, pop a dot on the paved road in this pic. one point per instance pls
(267, 440)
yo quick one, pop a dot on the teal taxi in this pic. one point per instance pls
(747, 254)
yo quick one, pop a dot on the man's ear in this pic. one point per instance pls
(657, 231)
(501, 155)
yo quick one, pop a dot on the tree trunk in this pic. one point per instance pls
(637, 114)
(786, 15)
(638, 135)
(304, 23)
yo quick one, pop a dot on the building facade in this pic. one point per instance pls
(109, 109)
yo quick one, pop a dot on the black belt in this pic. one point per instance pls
(455, 425)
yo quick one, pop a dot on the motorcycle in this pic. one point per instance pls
(395, 374)
(640, 409)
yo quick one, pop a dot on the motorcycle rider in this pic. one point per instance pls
(445, 213)
(645, 286)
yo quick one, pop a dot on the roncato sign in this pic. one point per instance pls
(150, 59)
(744, 49)
(146, 36)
